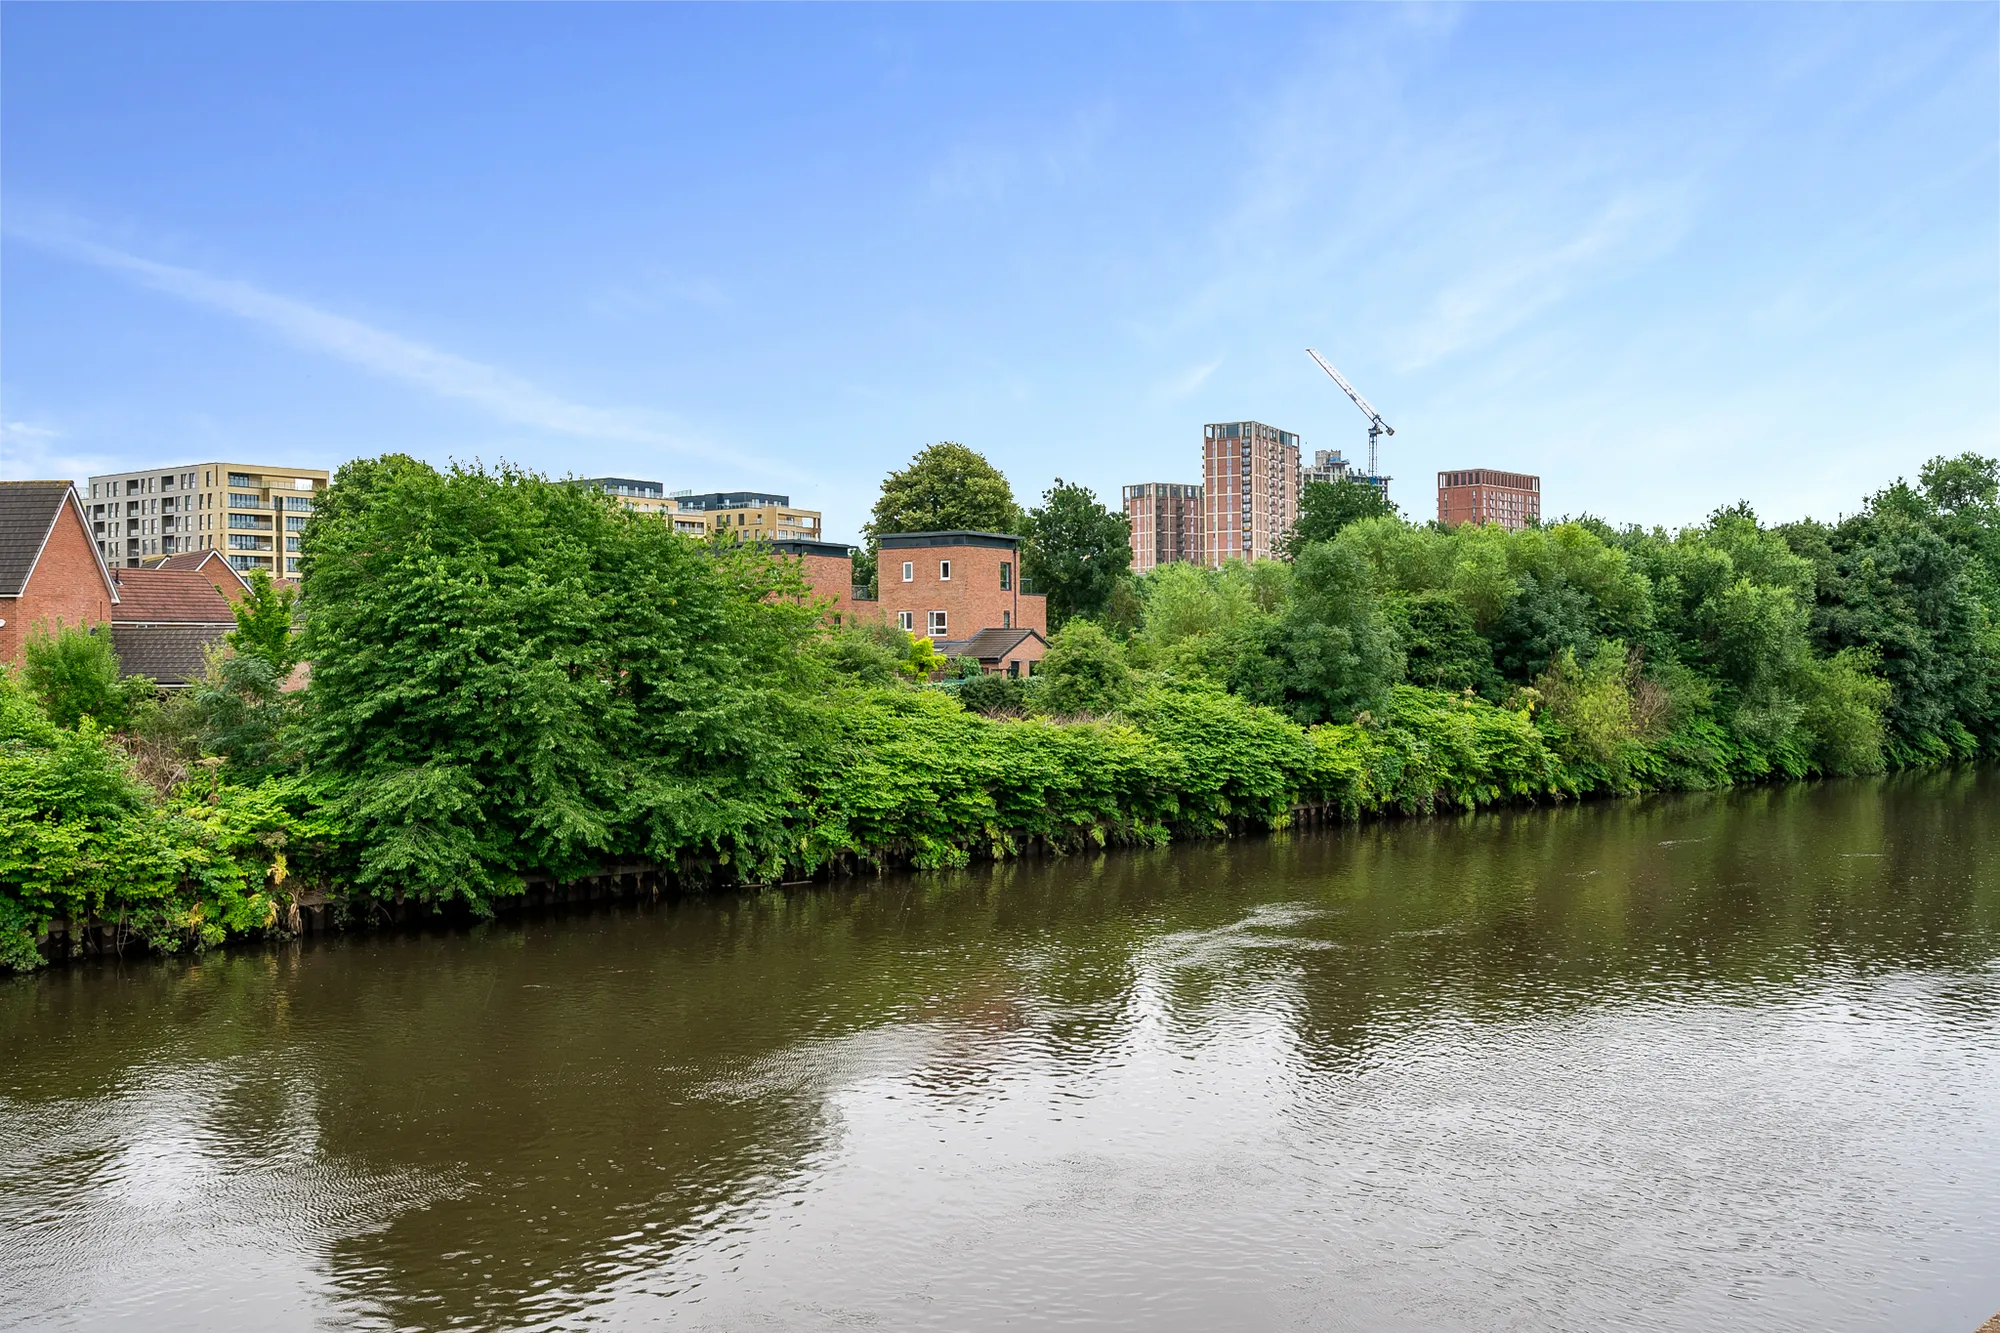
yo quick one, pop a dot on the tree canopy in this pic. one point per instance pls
(1075, 551)
(946, 487)
(1325, 507)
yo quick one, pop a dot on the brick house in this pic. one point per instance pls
(953, 586)
(212, 567)
(166, 621)
(1012, 652)
(50, 570)
(829, 569)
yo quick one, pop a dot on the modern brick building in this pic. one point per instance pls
(252, 514)
(1250, 490)
(949, 586)
(1166, 522)
(751, 514)
(829, 568)
(1484, 495)
(50, 569)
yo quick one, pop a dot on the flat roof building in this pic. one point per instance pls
(1165, 519)
(751, 514)
(1329, 466)
(1250, 490)
(647, 497)
(252, 513)
(1486, 495)
(949, 586)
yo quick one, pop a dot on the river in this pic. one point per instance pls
(1721, 1061)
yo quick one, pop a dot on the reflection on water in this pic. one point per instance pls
(1680, 1064)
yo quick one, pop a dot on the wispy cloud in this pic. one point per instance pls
(493, 391)
(1190, 380)
(35, 450)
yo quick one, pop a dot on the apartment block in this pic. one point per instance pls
(949, 586)
(1484, 495)
(751, 514)
(1250, 490)
(1166, 522)
(253, 514)
(648, 497)
(1329, 466)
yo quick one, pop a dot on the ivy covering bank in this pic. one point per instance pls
(514, 679)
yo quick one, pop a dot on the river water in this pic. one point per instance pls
(1727, 1061)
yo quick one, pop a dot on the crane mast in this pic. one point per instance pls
(1377, 427)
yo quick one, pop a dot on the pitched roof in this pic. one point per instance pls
(170, 596)
(989, 644)
(169, 654)
(28, 512)
(211, 564)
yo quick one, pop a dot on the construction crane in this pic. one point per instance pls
(1377, 427)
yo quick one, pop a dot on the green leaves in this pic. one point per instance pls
(1075, 552)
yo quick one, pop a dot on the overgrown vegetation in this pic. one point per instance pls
(513, 679)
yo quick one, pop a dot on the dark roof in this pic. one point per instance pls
(28, 512)
(170, 596)
(806, 546)
(169, 654)
(733, 500)
(960, 537)
(989, 644)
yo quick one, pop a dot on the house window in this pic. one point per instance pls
(1006, 575)
(944, 571)
(906, 620)
(909, 571)
(1006, 620)
(1014, 668)
(937, 624)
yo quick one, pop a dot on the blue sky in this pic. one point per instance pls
(1667, 257)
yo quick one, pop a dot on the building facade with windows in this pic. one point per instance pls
(1329, 466)
(1486, 495)
(1166, 522)
(648, 497)
(51, 573)
(1250, 490)
(948, 586)
(750, 514)
(252, 514)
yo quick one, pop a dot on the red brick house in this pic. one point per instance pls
(951, 585)
(214, 568)
(166, 621)
(50, 571)
(829, 569)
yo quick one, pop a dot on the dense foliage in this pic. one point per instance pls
(515, 680)
(1074, 552)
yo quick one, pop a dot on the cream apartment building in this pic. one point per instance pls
(252, 513)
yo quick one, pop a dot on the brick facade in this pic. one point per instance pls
(829, 569)
(1165, 519)
(1486, 495)
(65, 582)
(957, 584)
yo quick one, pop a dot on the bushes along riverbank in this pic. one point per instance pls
(514, 679)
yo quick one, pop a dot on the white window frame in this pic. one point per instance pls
(909, 571)
(906, 620)
(937, 625)
(944, 571)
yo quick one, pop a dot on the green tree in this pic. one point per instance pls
(946, 487)
(1338, 657)
(1075, 552)
(1325, 507)
(1084, 672)
(73, 674)
(1442, 647)
(264, 624)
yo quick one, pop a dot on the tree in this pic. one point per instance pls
(1084, 672)
(1075, 553)
(1325, 507)
(264, 625)
(946, 487)
(1442, 647)
(73, 674)
(1337, 656)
